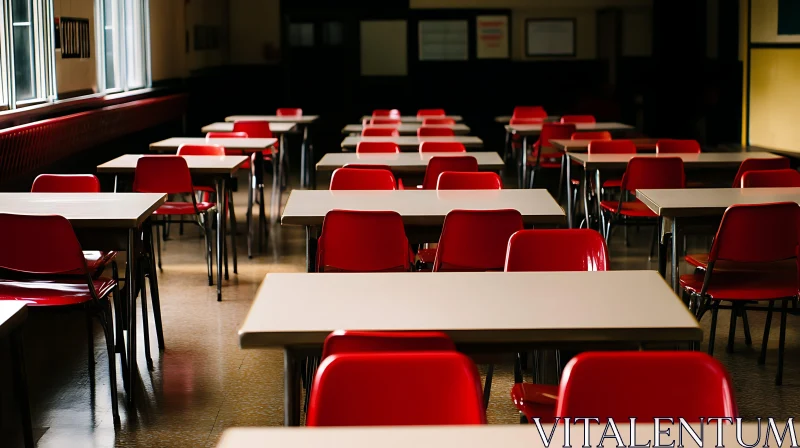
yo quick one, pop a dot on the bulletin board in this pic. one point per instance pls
(491, 37)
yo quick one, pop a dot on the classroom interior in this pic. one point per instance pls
(223, 222)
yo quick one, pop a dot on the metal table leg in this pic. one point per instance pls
(524, 158)
(130, 279)
(21, 386)
(220, 181)
(291, 385)
(662, 247)
(311, 249)
(304, 179)
(275, 203)
(675, 265)
(598, 192)
(586, 216)
(566, 160)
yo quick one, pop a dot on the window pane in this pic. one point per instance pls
(21, 10)
(332, 33)
(301, 34)
(109, 35)
(24, 64)
(134, 43)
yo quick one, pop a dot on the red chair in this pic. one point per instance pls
(547, 251)
(385, 113)
(350, 341)
(543, 156)
(775, 163)
(529, 112)
(428, 131)
(427, 388)
(370, 131)
(253, 128)
(384, 120)
(438, 165)
(672, 146)
(612, 147)
(788, 178)
(446, 120)
(368, 166)
(376, 147)
(642, 172)
(475, 240)
(591, 135)
(750, 233)
(231, 152)
(289, 112)
(578, 119)
(362, 179)
(363, 241)
(430, 113)
(47, 269)
(441, 147)
(526, 120)
(455, 180)
(619, 385)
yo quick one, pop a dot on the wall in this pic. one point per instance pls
(209, 13)
(167, 40)
(254, 25)
(74, 76)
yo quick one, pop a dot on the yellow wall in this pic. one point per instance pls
(75, 75)
(254, 25)
(167, 39)
(765, 23)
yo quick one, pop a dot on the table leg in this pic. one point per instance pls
(155, 298)
(598, 192)
(251, 189)
(565, 160)
(311, 249)
(220, 232)
(675, 265)
(662, 248)
(586, 197)
(116, 182)
(275, 203)
(291, 389)
(262, 217)
(304, 179)
(21, 386)
(130, 280)
(524, 175)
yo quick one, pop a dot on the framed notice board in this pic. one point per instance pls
(550, 37)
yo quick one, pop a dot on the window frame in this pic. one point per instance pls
(121, 47)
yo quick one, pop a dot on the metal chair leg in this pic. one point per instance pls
(763, 356)
(781, 342)
(249, 213)
(233, 231)
(105, 320)
(145, 318)
(713, 332)
(747, 339)
(209, 256)
(732, 329)
(155, 297)
(90, 344)
(119, 337)
(487, 387)
(158, 244)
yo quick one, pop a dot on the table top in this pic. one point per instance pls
(642, 144)
(302, 119)
(12, 314)
(420, 207)
(406, 161)
(535, 129)
(276, 128)
(471, 307)
(702, 160)
(226, 165)
(86, 210)
(409, 142)
(711, 201)
(407, 128)
(505, 119)
(467, 436)
(414, 118)
(243, 144)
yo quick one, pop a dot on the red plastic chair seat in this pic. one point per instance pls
(182, 208)
(535, 400)
(701, 261)
(96, 259)
(734, 286)
(633, 209)
(53, 292)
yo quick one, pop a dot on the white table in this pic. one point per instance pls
(410, 143)
(423, 211)
(102, 221)
(304, 122)
(701, 206)
(407, 128)
(505, 119)
(483, 312)
(275, 127)
(216, 168)
(618, 162)
(240, 144)
(406, 162)
(414, 118)
(12, 316)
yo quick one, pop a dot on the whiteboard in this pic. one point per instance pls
(550, 37)
(383, 48)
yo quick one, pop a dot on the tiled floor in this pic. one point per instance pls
(203, 382)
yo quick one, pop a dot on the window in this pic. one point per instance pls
(301, 34)
(123, 44)
(27, 63)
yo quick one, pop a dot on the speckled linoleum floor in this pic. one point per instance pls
(203, 382)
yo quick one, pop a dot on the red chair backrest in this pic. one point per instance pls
(620, 385)
(239, 134)
(672, 146)
(551, 131)
(350, 341)
(373, 147)
(476, 240)
(362, 179)
(201, 150)
(591, 135)
(771, 179)
(428, 131)
(578, 119)
(446, 120)
(455, 180)
(438, 165)
(654, 172)
(253, 129)
(40, 245)
(775, 163)
(289, 112)
(430, 113)
(612, 147)
(757, 233)
(529, 112)
(557, 250)
(368, 166)
(526, 120)
(410, 388)
(362, 241)
(442, 147)
(370, 131)
(162, 174)
(386, 120)
(65, 183)
(385, 113)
